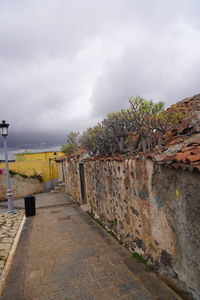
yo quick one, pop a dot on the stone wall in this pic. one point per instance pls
(21, 186)
(153, 210)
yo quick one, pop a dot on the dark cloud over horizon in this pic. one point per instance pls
(65, 64)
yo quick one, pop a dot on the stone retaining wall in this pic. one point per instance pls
(21, 186)
(153, 210)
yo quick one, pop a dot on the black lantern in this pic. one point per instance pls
(4, 128)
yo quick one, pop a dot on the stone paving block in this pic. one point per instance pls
(106, 282)
(121, 251)
(136, 268)
(39, 298)
(140, 295)
(62, 295)
(33, 291)
(34, 278)
(84, 297)
(56, 286)
(5, 246)
(7, 240)
(4, 254)
(74, 259)
(11, 233)
(129, 287)
(124, 276)
(157, 287)
(110, 293)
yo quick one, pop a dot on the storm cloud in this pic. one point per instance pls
(65, 64)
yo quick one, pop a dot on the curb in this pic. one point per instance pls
(9, 260)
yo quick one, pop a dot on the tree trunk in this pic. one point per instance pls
(121, 144)
(160, 140)
(144, 144)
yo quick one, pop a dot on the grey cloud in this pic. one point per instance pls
(65, 64)
(160, 65)
(146, 75)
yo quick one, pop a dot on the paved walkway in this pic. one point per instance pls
(64, 254)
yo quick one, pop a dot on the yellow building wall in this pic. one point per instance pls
(35, 163)
(43, 156)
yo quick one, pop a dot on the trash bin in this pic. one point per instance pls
(29, 203)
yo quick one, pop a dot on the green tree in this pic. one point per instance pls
(133, 129)
(163, 121)
(140, 112)
(109, 136)
(92, 139)
(117, 126)
(68, 149)
(73, 138)
(72, 143)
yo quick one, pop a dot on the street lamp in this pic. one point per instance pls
(4, 133)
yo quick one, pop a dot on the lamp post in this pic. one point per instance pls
(51, 169)
(4, 133)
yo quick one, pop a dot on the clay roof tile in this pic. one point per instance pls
(182, 157)
(195, 151)
(184, 149)
(193, 158)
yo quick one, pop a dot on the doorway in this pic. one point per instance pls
(82, 183)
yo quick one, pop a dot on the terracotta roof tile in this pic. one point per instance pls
(176, 140)
(183, 126)
(188, 148)
(193, 158)
(78, 152)
(195, 151)
(181, 158)
(168, 134)
(186, 158)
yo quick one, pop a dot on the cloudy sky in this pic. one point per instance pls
(65, 64)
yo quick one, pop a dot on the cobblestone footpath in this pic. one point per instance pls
(9, 225)
(64, 254)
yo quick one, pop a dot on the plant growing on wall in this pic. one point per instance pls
(36, 175)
